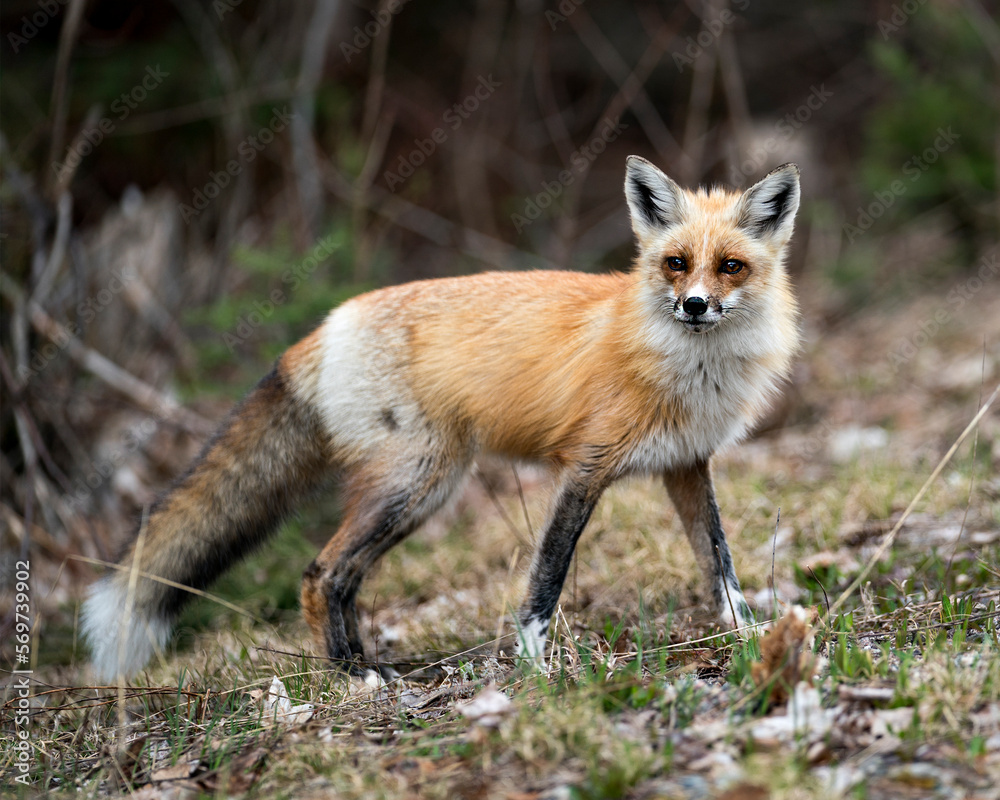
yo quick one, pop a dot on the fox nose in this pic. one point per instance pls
(695, 306)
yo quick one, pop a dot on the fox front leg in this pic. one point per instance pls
(691, 490)
(573, 506)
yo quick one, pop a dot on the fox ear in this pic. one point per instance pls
(654, 201)
(767, 209)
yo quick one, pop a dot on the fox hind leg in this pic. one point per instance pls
(330, 584)
(380, 514)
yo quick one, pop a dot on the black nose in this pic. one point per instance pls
(695, 306)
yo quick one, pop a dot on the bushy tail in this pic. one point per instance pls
(268, 455)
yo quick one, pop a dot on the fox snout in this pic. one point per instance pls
(698, 312)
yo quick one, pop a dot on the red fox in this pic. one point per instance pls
(395, 394)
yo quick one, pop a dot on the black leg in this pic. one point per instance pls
(693, 495)
(349, 610)
(573, 508)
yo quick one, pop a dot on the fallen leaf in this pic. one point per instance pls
(745, 791)
(786, 657)
(177, 772)
(238, 776)
(129, 767)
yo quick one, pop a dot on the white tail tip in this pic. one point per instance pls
(121, 639)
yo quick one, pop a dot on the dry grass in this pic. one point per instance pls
(643, 698)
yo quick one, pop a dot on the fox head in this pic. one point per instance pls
(712, 256)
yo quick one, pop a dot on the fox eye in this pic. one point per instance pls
(676, 263)
(731, 266)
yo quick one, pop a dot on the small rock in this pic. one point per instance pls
(487, 709)
(850, 442)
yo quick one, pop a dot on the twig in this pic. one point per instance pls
(891, 536)
(567, 222)
(611, 62)
(22, 422)
(986, 26)
(140, 392)
(701, 96)
(40, 214)
(434, 227)
(826, 597)
(304, 157)
(173, 584)
(774, 548)
(57, 255)
(725, 583)
(36, 436)
(972, 472)
(735, 91)
(362, 186)
(31, 467)
(67, 170)
(214, 50)
(503, 514)
(552, 116)
(524, 505)
(60, 97)
(242, 99)
(376, 128)
(469, 166)
(376, 74)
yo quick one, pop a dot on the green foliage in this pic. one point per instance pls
(931, 90)
(818, 582)
(745, 653)
(612, 779)
(683, 709)
(285, 294)
(850, 662)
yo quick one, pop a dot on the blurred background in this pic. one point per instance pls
(188, 187)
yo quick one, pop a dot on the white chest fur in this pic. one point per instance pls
(721, 386)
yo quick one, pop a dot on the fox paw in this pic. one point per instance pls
(735, 614)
